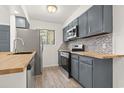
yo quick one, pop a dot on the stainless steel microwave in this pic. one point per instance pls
(72, 33)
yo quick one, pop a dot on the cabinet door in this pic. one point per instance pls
(70, 25)
(59, 58)
(95, 20)
(75, 22)
(107, 18)
(74, 68)
(102, 73)
(83, 26)
(4, 38)
(64, 34)
(85, 74)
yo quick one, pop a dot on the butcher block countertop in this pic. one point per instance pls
(98, 55)
(10, 63)
(95, 55)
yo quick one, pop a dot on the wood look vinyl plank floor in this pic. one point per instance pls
(53, 77)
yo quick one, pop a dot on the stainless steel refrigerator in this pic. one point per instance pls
(32, 41)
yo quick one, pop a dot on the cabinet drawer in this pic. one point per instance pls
(86, 60)
(73, 56)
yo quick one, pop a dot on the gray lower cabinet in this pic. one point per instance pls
(85, 74)
(59, 58)
(92, 72)
(75, 67)
(102, 73)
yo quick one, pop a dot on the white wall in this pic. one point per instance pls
(77, 13)
(25, 12)
(12, 15)
(12, 32)
(4, 15)
(50, 54)
(118, 45)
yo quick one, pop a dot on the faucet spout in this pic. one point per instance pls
(15, 41)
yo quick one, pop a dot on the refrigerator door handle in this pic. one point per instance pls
(42, 45)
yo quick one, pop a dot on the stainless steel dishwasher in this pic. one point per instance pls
(30, 75)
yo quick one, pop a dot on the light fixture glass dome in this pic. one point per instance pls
(52, 8)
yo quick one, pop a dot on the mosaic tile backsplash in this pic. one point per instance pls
(100, 44)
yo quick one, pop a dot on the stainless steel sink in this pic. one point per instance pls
(20, 53)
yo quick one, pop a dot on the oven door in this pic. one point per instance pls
(65, 63)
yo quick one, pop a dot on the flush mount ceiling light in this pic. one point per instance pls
(52, 8)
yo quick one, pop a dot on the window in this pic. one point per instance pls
(47, 36)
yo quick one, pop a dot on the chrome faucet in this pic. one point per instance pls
(15, 41)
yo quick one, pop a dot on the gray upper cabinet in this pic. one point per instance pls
(65, 34)
(21, 22)
(95, 21)
(70, 25)
(4, 38)
(99, 20)
(83, 27)
(75, 22)
(95, 16)
(107, 18)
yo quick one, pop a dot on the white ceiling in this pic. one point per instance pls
(39, 12)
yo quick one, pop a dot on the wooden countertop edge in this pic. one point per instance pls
(11, 71)
(16, 70)
(97, 55)
(94, 54)
(86, 55)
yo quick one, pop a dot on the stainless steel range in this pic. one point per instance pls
(65, 62)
